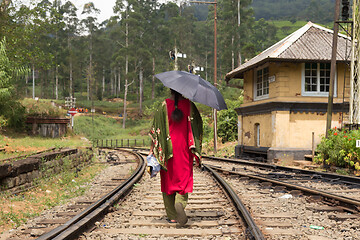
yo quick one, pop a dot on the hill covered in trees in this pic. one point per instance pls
(319, 11)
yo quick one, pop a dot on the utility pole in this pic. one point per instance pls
(215, 76)
(215, 67)
(176, 61)
(355, 67)
(33, 82)
(333, 67)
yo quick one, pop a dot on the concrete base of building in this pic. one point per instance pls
(251, 150)
(275, 154)
(272, 155)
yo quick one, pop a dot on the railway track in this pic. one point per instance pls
(252, 208)
(344, 189)
(211, 215)
(211, 212)
(74, 216)
(294, 204)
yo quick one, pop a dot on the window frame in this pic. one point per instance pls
(317, 93)
(265, 96)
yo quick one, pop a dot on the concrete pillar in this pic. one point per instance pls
(240, 130)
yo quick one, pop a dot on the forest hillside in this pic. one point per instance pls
(319, 11)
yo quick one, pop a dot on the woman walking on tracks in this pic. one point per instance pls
(176, 140)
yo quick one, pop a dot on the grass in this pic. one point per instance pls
(20, 144)
(17, 209)
(285, 28)
(104, 127)
(224, 150)
(114, 107)
(342, 171)
(42, 108)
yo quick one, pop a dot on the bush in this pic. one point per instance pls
(11, 111)
(339, 149)
(15, 116)
(151, 109)
(227, 121)
(42, 108)
(227, 125)
(208, 128)
(3, 122)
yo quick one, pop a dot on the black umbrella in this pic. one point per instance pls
(193, 87)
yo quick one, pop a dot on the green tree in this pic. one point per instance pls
(227, 121)
(263, 35)
(91, 26)
(11, 112)
(234, 21)
(71, 29)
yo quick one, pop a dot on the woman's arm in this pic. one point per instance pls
(152, 147)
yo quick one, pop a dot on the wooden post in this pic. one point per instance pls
(128, 142)
(122, 143)
(215, 76)
(135, 142)
(116, 144)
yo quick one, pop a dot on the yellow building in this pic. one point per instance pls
(286, 93)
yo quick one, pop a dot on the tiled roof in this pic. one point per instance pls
(309, 43)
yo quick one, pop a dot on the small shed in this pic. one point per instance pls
(48, 127)
(286, 90)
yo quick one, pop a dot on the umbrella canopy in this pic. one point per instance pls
(193, 88)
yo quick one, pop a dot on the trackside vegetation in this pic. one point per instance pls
(340, 150)
(49, 191)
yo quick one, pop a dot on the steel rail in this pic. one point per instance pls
(242, 210)
(342, 199)
(240, 207)
(333, 176)
(77, 224)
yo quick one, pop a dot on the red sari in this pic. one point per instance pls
(179, 174)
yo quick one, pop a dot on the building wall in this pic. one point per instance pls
(248, 129)
(248, 86)
(287, 79)
(287, 84)
(303, 124)
(283, 130)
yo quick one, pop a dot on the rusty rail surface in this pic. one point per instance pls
(252, 228)
(343, 200)
(324, 175)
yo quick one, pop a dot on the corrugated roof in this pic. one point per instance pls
(309, 43)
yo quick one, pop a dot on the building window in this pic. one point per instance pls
(316, 79)
(262, 83)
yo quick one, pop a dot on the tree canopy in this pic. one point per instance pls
(74, 55)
